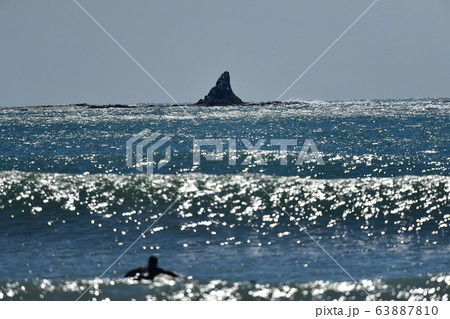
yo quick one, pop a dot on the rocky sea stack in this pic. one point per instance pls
(221, 94)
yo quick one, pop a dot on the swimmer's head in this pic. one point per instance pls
(152, 261)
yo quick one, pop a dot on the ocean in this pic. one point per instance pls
(369, 224)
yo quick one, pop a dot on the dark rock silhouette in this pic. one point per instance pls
(221, 94)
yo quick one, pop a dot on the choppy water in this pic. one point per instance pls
(69, 206)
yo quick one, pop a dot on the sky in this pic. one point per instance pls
(52, 53)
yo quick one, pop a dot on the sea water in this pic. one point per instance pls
(372, 223)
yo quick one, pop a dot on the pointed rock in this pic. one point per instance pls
(221, 94)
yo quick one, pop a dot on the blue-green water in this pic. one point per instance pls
(69, 205)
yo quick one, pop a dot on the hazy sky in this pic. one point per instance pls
(52, 53)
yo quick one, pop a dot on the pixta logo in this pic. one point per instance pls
(145, 144)
(309, 151)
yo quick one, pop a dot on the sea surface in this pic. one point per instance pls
(370, 224)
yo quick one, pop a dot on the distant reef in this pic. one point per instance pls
(125, 106)
(220, 95)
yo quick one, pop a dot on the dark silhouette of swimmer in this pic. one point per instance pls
(150, 271)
